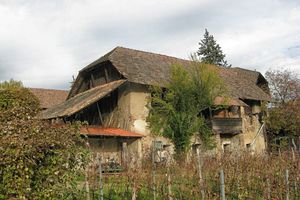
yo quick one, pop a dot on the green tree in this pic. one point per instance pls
(175, 110)
(11, 84)
(38, 160)
(284, 115)
(210, 52)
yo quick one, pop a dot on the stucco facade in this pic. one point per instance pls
(133, 109)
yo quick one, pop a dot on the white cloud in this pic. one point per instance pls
(44, 43)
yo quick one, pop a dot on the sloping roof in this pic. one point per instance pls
(49, 97)
(140, 66)
(80, 101)
(242, 84)
(112, 132)
(150, 68)
(229, 102)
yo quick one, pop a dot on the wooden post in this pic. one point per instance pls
(153, 170)
(87, 187)
(279, 153)
(287, 192)
(210, 113)
(294, 144)
(169, 183)
(100, 176)
(106, 75)
(124, 154)
(296, 186)
(268, 189)
(199, 164)
(93, 80)
(99, 113)
(293, 155)
(222, 185)
(133, 191)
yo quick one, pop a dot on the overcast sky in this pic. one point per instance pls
(44, 43)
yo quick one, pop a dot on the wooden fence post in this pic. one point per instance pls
(294, 148)
(133, 191)
(287, 192)
(268, 189)
(169, 183)
(199, 164)
(153, 170)
(100, 175)
(125, 154)
(296, 187)
(222, 185)
(279, 153)
(293, 155)
(87, 187)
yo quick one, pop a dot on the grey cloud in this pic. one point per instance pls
(293, 51)
(67, 38)
(10, 62)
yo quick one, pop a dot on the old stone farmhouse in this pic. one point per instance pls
(111, 95)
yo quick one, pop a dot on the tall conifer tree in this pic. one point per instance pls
(210, 52)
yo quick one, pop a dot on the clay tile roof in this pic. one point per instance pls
(150, 68)
(113, 132)
(49, 97)
(80, 101)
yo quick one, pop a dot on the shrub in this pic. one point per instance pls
(38, 160)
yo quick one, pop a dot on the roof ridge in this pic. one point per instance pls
(148, 52)
(108, 55)
(103, 58)
(46, 89)
(246, 69)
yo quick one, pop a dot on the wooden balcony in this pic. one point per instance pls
(227, 125)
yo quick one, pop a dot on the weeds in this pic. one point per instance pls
(246, 177)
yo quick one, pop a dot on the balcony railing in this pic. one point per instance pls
(227, 125)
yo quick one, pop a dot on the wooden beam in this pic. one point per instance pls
(99, 113)
(210, 113)
(90, 84)
(78, 88)
(106, 74)
(92, 80)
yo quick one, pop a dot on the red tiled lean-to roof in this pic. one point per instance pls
(100, 131)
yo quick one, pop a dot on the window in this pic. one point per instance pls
(226, 147)
(248, 146)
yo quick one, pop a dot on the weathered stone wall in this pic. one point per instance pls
(113, 149)
(109, 148)
(249, 139)
(132, 112)
(251, 126)
(139, 97)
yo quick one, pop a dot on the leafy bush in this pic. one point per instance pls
(16, 102)
(175, 110)
(38, 160)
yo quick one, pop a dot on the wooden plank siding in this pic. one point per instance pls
(227, 125)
